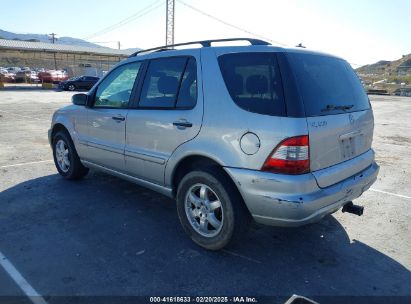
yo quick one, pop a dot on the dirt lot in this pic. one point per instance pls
(106, 237)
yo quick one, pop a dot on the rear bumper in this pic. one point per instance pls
(295, 200)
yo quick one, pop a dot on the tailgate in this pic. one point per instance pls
(336, 139)
(339, 116)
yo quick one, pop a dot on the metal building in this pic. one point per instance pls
(76, 60)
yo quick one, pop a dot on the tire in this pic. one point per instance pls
(65, 157)
(232, 214)
(71, 87)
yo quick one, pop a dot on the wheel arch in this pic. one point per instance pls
(190, 163)
(57, 128)
(62, 123)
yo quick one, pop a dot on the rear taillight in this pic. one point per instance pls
(291, 156)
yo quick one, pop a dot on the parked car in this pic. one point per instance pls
(282, 136)
(6, 76)
(79, 83)
(13, 69)
(52, 76)
(403, 92)
(23, 76)
(33, 78)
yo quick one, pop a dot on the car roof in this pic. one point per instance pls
(220, 50)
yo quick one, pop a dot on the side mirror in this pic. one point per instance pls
(79, 99)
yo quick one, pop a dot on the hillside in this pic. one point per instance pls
(387, 76)
(45, 38)
(400, 67)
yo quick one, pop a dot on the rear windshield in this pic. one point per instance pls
(327, 85)
(253, 81)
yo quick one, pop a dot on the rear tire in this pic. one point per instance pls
(224, 222)
(71, 87)
(65, 157)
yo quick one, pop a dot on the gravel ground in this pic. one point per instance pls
(107, 237)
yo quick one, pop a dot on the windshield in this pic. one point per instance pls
(327, 85)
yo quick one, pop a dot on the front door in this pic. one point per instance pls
(169, 113)
(108, 115)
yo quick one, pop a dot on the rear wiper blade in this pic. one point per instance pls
(331, 107)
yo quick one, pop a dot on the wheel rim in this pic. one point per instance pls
(62, 155)
(204, 210)
(71, 87)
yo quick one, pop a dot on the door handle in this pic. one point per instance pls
(182, 124)
(119, 118)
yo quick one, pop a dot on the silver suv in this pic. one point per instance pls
(281, 136)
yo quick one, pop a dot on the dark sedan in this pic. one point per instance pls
(79, 83)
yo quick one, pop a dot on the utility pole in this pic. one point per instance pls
(52, 37)
(170, 22)
(118, 44)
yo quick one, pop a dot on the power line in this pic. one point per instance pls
(229, 24)
(237, 27)
(127, 20)
(139, 14)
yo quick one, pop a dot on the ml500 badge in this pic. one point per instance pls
(319, 124)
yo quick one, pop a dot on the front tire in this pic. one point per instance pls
(65, 157)
(210, 209)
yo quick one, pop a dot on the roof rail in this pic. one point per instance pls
(204, 43)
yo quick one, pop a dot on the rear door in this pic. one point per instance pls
(169, 113)
(339, 117)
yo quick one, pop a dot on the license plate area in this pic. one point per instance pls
(348, 147)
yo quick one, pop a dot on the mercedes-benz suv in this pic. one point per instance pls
(232, 133)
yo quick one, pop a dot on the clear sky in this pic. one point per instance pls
(361, 31)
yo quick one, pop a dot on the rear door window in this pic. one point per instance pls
(187, 96)
(162, 82)
(327, 85)
(254, 82)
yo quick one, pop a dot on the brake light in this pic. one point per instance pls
(291, 156)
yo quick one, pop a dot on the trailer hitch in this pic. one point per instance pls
(354, 209)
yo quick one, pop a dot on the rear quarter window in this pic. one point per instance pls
(327, 85)
(254, 82)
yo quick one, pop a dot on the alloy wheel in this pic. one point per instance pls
(62, 155)
(204, 210)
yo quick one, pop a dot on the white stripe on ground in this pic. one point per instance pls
(241, 256)
(24, 116)
(20, 281)
(390, 193)
(28, 163)
(385, 124)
